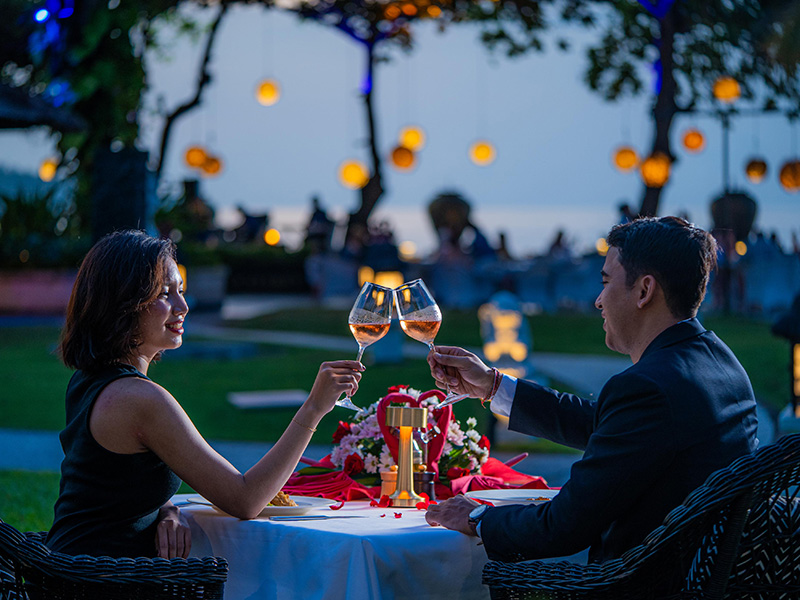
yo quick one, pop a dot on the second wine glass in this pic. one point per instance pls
(369, 321)
(420, 317)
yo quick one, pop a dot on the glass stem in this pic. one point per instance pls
(360, 352)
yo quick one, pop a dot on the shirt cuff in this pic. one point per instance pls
(504, 398)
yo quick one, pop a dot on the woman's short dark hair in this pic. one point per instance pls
(122, 273)
(679, 256)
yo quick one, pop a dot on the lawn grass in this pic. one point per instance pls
(27, 498)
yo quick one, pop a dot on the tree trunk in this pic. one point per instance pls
(203, 78)
(372, 192)
(664, 109)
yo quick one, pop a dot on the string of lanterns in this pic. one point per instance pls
(655, 169)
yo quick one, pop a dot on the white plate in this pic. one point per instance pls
(515, 496)
(304, 504)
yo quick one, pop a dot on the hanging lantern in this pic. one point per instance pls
(353, 174)
(48, 168)
(756, 170)
(412, 137)
(625, 158)
(693, 140)
(392, 12)
(790, 176)
(212, 166)
(726, 89)
(195, 157)
(655, 170)
(403, 159)
(482, 153)
(268, 92)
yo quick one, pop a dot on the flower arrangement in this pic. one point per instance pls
(361, 450)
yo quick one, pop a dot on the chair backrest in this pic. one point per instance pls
(10, 580)
(739, 531)
(37, 572)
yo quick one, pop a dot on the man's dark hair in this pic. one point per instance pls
(679, 256)
(122, 273)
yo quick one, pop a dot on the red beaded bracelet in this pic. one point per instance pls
(498, 377)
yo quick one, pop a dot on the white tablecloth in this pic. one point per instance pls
(371, 557)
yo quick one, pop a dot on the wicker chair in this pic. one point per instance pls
(29, 571)
(736, 536)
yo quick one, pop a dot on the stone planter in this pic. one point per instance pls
(206, 286)
(36, 292)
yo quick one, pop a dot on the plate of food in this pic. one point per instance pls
(513, 496)
(282, 504)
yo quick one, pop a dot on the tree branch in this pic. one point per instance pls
(204, 77)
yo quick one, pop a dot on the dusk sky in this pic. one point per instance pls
(554, 137)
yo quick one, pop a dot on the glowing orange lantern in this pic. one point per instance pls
(726, 89)
(353, 174)
(693, 140)
(392, 12)
(412, 137)
(655, 170)
(434, 12)
(790, 176)
(195, 156)
(409, 9)
(212, 166)
(756, 170)
(625, 158)
(48, 168)
(482, 153)
(268, 92)
(272, 236)
(403, 159)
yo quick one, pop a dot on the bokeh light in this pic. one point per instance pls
(48, 168)
(195, 156)
(353, 174)
(272, 236)
(655, 170)
(625, 158)
(268, 92)
(403, 159)
(693, 140)
(482, 153)
(412, 137)
(726, 89)
(756, 170)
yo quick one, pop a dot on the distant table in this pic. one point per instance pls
(371, 557)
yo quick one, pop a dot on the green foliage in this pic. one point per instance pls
(37, 230)
(707, 39)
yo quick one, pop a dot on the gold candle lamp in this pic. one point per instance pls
(406, 419)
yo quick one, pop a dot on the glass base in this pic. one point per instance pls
(452, 399)
(346, 402)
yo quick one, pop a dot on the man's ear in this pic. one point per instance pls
(647, 287)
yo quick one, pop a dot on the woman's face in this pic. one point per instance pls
(161, 322)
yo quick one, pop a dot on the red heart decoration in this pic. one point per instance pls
(443, 417)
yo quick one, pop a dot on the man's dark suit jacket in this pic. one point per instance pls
(655, 433)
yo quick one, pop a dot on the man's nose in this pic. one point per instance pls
(598, 304)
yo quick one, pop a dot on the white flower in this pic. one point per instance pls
(473, 435)
(371, 463)
(472, 422)
(385, 461)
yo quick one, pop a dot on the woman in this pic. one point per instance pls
(128, 442)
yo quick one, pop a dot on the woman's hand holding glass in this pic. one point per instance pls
(333, 379)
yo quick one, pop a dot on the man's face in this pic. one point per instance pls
(618, 305)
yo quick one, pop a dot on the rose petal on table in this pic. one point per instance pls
(337, 506)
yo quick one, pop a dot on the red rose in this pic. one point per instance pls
(341, 431)
(456, 472)
(397, 389)
(353, 464)
(484, 443)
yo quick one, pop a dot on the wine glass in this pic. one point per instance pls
(420, 318)
(369, 321)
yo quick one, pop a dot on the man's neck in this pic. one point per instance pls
(654, 327)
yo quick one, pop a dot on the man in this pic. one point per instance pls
(657, 430)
